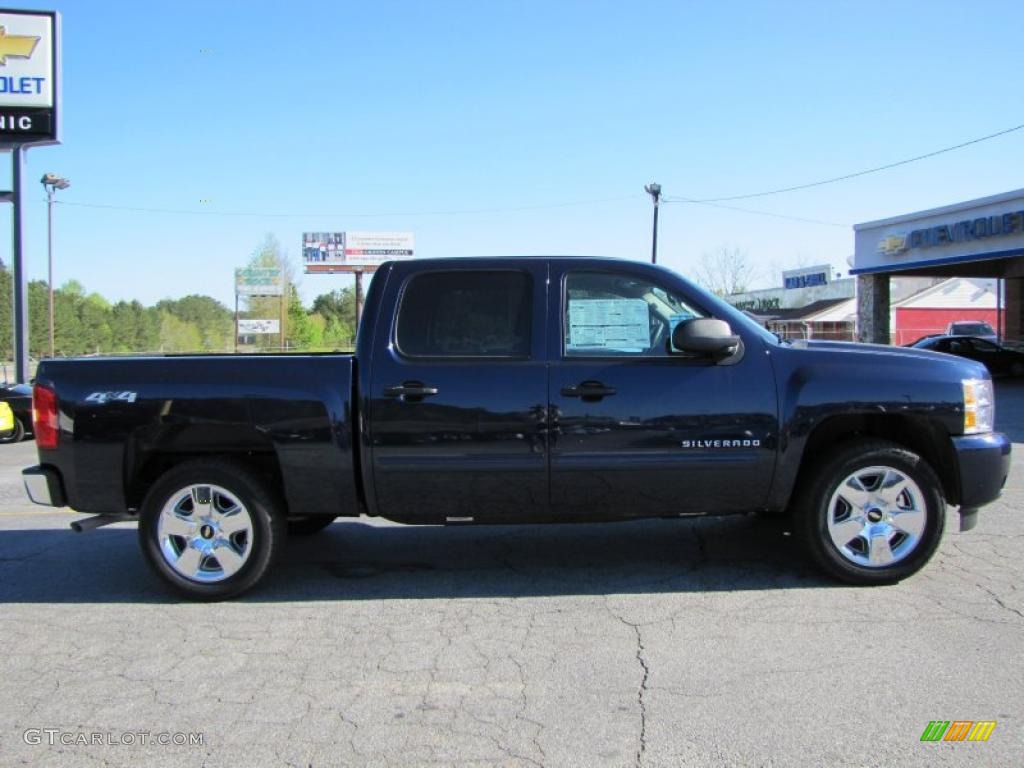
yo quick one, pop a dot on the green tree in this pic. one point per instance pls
(38, 319)
(338, 308)
(302, 333)
(177, 335)
(94, 314)
(6, 311)
(213, 320)
(67, 327)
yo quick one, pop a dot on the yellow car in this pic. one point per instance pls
(8, 424)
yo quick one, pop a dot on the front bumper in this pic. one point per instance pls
(43, 485)
(983, 462)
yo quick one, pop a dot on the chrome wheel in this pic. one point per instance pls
(205, 533)
(876, 516)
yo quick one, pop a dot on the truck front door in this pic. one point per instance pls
(458, 401)
(636, 428)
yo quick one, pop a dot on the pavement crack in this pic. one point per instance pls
(999, 600)
(642, 689)
(640, 696)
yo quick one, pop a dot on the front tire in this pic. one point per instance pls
(210, 529)
(871, 513)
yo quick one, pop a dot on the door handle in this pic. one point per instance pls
(589, 391)
(411, 390)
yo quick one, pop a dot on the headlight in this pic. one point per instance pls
(979, 406)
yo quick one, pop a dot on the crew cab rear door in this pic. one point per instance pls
(636, 429)
(458, 392)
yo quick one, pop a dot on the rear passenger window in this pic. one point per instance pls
(466, 314)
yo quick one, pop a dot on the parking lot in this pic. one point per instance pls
(661, 643)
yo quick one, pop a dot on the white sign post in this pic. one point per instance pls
(259, 281)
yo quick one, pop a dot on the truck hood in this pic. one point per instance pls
(881, 354)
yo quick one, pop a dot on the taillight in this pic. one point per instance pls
(44, 417)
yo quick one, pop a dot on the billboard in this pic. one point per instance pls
(28, 77)
(347, 251)
(252, 326)
(326, 248)
(258, 281)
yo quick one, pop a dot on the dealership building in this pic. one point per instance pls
(981, 238)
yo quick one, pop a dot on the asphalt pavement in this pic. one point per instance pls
(659, 643)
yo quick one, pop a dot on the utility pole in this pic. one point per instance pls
(654, 190)
(51, 182)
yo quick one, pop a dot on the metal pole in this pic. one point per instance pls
(20, 287)
(236, 322)
(654, 190)
(49, 257)
(359, 297)
(284, 289)
(1000, 327)
(654, 241)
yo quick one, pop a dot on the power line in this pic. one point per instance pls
(710, 201)
(392, 214)
(851, 175)
(759, 213)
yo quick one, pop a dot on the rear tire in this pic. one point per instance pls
(210, 529)
(871, 513)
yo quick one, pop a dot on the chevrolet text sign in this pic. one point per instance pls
(28, 77)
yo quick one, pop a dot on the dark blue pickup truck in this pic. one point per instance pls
(522, 390)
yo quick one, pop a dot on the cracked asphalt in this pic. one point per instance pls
(661, 643)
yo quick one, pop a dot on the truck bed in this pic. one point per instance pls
(129, 416)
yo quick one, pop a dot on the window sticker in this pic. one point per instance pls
(622, 325)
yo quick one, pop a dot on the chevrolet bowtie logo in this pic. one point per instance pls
(893, 244)
(17, 46)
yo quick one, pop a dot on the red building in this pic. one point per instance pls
(930, 311)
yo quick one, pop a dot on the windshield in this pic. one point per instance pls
(973, 329)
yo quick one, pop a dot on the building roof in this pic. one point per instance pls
(808, 312)
(943, 210)
(954, 293)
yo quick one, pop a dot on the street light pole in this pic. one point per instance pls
(654, 190)
(51, 182)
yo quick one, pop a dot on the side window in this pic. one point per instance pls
(618, 315)
(466, 314)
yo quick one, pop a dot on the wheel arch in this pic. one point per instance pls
(146, 461)
(918, 434)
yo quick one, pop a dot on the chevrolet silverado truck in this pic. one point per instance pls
(522, 390)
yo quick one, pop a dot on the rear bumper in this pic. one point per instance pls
(983, 462)
(43, 485)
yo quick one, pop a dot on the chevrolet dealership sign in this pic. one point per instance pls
(976, 230)
(28, 77)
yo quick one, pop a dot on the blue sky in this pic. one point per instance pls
(394, 109)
